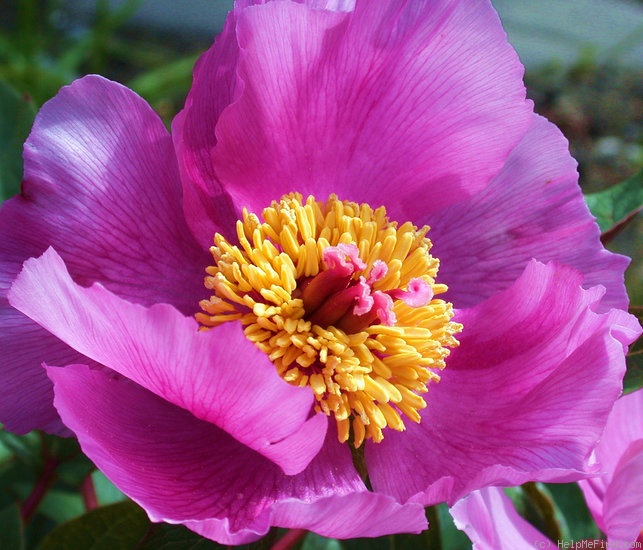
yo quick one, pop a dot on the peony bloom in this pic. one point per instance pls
(614, 497)
(336, 336)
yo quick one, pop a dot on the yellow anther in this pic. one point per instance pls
(368, 379)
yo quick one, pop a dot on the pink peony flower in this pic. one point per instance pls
(325, 327)
(614, 497)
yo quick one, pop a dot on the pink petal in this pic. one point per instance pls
(358, 514)
(420, 101)
(218, 376)
(624, 426)
(27, 400)
(101, 185)
(532, 209)
(490, 520)
(623, 503)
(524, 397)
(207, 204)
(614, 497)
(183, 470)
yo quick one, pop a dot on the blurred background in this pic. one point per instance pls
(583, 58)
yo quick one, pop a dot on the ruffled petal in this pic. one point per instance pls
(524, 397)
(101, 185)
(183, 470)
(612, 497)
(417, 100)
(534, 208)
(621, 431)
(623, 502)
(218, 376)
(358, 514)
(490, 520)
(207, 204)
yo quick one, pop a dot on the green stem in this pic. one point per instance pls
(434, 538)
(546, 509)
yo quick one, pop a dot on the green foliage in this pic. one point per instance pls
(572, 514)
(122, 526)
(169, 80)
(39, 56)
(16, 117)
(117, 527)
(162, 536)
(317, 542)
(11, 530)
(617, 204)
(634, 376)
(106, 492)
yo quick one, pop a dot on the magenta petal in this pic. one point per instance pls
(27, 400)
(490, 520)
(623, 502)
(615, 498)
(184, 470)
(420, 100)
(219, 376)
(524, 397)
(358, 514)
(101, 186)
(532, 209)
(208, 207)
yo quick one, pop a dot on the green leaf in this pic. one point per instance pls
(106, 491)
(117, 527)
(61, 505)
(317, 542)
(123, 526)
(162, 82)
(163, 536)
(452, 538)
(28, 447)
(16, 481)
(16, 117)
(11, 528)
(634, 375)
(617, 204)
(541, 510)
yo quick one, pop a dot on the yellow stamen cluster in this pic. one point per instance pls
(366, 379)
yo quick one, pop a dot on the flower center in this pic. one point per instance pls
(341, 300)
